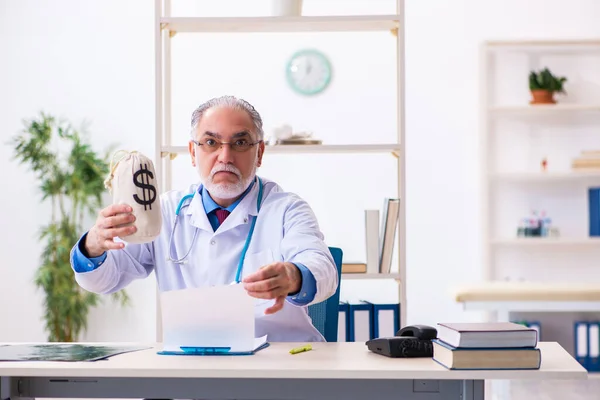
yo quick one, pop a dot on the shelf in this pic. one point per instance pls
(282, 24)
(534, 45)
(538, 241)
(307, 149)
(545, 109)
(507, 291)
(545, 176)
(333, 148)
(370, 276)
(507, 306)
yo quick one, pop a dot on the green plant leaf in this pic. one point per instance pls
(73, 182)
(545, 80)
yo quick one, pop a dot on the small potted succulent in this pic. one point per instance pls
(543, 85)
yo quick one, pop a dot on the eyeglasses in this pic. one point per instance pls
(210, 145)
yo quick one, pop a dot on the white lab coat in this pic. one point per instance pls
(286, 230)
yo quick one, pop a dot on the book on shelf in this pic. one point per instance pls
(588, 160)
(372, 240)
(354, 268)
(380, 234)
(485, 358)
(594, 211)
(487, 335)
(389, 228)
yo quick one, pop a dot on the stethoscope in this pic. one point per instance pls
(182, 204)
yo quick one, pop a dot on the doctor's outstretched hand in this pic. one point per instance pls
(274, 281)
(109, 224)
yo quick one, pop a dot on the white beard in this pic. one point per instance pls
(228, 190)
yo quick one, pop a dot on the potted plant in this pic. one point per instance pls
(543, 85)
(70, 175)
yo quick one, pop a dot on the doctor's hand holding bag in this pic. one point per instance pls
(231, 227)
(135, 215)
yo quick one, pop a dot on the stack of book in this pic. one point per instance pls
(380, 234)
(588, 160)
(494, 345)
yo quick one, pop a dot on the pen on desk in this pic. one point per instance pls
(301, 349)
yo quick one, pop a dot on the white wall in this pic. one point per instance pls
(94, 60)
(79, 61)
(443, 205)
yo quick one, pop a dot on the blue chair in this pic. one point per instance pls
(325, 314)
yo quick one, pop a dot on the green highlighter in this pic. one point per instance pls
(301, 349)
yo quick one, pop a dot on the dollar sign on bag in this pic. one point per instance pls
(148, 190)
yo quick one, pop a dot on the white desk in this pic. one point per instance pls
(330, 371)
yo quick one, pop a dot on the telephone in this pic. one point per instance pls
(410, 341)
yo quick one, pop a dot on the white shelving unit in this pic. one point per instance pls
(561, 114)
(166, 28)
(514, 181)
(533, 277)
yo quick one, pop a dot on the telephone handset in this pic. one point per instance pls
(410, 341)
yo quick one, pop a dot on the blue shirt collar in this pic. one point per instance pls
(210, 205)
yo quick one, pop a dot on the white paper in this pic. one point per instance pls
(261, 305)
(218, 316)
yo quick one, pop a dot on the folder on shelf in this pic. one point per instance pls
(343, 322)
(538, 328)
(385, 320)
(359, 319)
(594, 211)
(534, 325)
(593, 362)
(581, 343)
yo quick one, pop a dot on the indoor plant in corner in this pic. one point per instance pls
(70, 175)
(543, 85)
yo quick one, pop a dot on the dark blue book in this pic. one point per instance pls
(594, 211)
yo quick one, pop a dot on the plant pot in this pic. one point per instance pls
(541, 96)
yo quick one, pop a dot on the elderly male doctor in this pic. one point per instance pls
(286, 262)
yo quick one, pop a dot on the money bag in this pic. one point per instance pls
(133, 181)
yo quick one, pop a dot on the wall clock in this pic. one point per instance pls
(308, 72)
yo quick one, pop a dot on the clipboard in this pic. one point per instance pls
(211, 351)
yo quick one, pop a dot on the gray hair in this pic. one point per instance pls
(231, 102)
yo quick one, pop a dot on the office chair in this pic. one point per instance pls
(325, 314)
